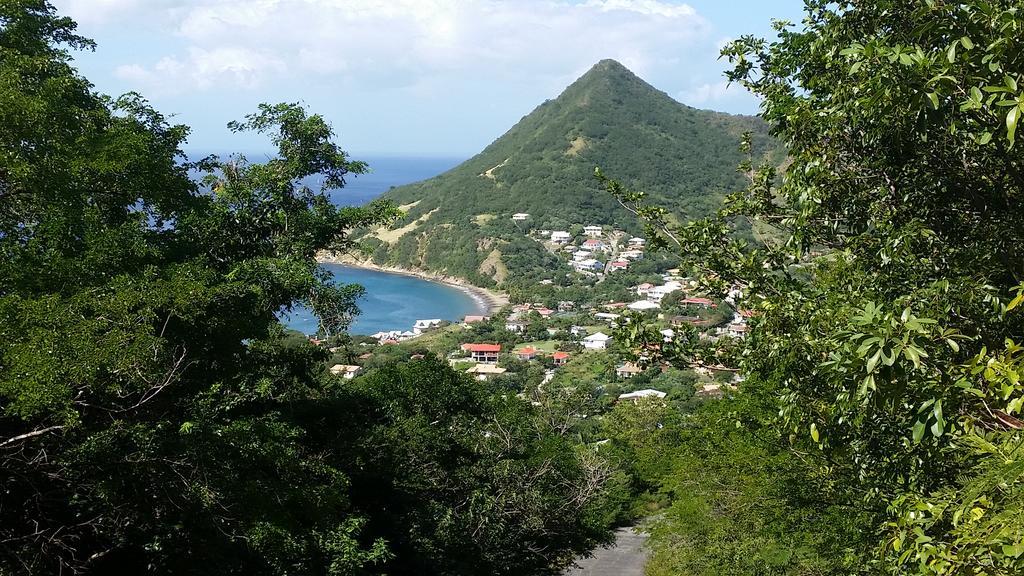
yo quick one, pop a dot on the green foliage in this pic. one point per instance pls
(154, 415)
(469, 480)
(543, 166)
(887, 341)
(742, 505)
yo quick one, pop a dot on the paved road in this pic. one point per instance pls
(626, 557)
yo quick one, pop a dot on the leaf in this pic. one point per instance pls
(918, 431)
(913, 354)
(814, 432)
(1012, 117)
(873, 361)
(951, 53)
(888, 358)
(1015, 302)
(1011, 123)
(985, 138)
(935, 99)
(1014, 550)
(966, 42)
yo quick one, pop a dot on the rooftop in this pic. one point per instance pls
(643, 394)
(482, 347)
(485, 369)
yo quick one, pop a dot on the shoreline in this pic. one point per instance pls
(488, 302)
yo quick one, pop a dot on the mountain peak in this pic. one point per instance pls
(460, 222)
(608, 80)
(609, 65)
(608, 68)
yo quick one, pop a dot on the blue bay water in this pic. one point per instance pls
(391, 301)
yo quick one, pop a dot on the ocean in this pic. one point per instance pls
(386, 173)
(392, 301)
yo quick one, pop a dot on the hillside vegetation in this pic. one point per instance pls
(878, 426)
(460, 222)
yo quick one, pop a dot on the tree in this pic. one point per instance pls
(472, 482)
(145, 392)
(888, 330)
(156, 418)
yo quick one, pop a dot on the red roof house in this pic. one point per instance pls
(485, 353)
(528, 353)
(702, 302)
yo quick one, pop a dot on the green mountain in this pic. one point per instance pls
(459, 222)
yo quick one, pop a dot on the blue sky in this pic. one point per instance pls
(403, 77)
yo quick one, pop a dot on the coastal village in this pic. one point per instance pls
(550, 342)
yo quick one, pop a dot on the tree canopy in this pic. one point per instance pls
(154, 418)
(887, 340)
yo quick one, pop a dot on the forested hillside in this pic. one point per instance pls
(460, 222)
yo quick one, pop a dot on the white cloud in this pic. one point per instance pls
(709, 92)
(405, 44)
(96, 13)
(203, 69)
(653, 7)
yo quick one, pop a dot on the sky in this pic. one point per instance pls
(440, 78)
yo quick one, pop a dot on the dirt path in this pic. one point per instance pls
(626, 557)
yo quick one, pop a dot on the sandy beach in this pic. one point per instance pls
(487, 301)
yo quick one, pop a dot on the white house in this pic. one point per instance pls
(658, 292)
(520, 216)
(627, 370)
(598, 341)
(648, 393)
(346, 371)
(560, 237)
(632, 255)
(643, 305)
(588, 265)
(581, 255)
(736, 329)
(393, 335)
(637, 242)
(422, 326)
(594, 244)
(593, 231)
(515, 327)
(607, 316)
